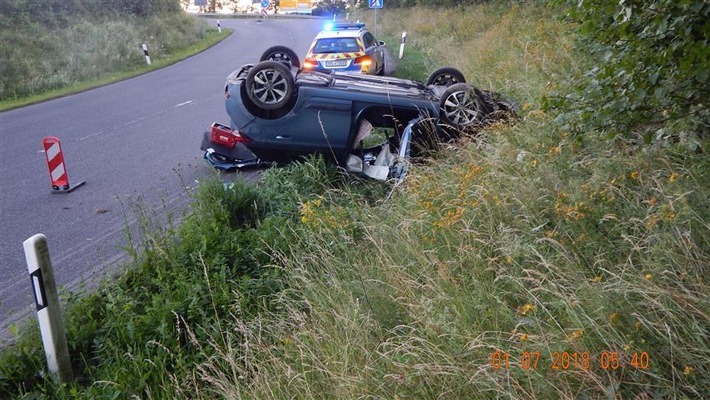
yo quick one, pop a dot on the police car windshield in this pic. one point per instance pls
(336, 45)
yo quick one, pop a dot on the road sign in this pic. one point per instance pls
(264, 3)
(376, 3)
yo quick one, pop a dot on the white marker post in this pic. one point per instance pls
(145, 52)
(401, 46)
(48, 313)
(219, 27)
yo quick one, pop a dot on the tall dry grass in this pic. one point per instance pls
(527, 265)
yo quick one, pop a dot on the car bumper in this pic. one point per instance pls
(225, 158)
(352, 67)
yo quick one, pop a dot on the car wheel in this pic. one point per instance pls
(462, 106)
(381, 72)
(445, 76)
(270, 85)
(281, 54)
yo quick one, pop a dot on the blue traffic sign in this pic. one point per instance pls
(376, 3)
(264, 3)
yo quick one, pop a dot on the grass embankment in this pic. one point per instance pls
(530, 264)
(48, 59)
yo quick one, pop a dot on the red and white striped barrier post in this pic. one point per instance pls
(55, 164)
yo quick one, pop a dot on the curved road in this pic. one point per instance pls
(134, 142)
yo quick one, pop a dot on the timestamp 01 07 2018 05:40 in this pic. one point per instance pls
(565, 360)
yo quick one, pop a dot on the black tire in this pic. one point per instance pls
(283, 55)
(381, 72)
(445, 76)
(270, 85)
(462, 107)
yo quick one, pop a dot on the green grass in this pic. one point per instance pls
(106, 78)
(523, 241)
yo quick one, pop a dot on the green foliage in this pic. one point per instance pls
(138, 335)
(62, 11)
(329, 7)
(648, 78)
(45, 51)
(313, 284)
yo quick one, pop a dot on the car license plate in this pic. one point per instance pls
(336, 63)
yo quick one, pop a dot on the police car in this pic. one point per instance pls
(346, 47)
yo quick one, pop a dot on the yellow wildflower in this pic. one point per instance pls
(613, 317)
(652, 221)
(688, 370)
(634, 175)
(578, 334)
(524, 337)
(668, 213)
(526, 308)
(597, 279)
(508, 260)
(534, 163)
(648, 277)
(673, 177)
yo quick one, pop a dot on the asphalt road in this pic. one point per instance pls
(135, 143)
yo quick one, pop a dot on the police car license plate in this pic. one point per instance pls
(336, 63)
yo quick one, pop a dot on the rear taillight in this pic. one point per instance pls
(226, 136)
(364, 61)
(309, 63)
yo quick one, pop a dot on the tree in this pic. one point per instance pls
(651, 75)
(330, 7)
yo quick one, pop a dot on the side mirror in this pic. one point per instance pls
(380, 43)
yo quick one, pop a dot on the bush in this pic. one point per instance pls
(648, 79)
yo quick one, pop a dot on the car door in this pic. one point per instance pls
(374, 50)
(320, 122)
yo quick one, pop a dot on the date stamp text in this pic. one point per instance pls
(564, 360)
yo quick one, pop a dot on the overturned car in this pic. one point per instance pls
(366, 124)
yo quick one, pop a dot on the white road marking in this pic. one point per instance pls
(125, 124)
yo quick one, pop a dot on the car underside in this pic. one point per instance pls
(366, 124)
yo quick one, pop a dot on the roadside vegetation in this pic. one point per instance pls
(540, 259)
(58, 47)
